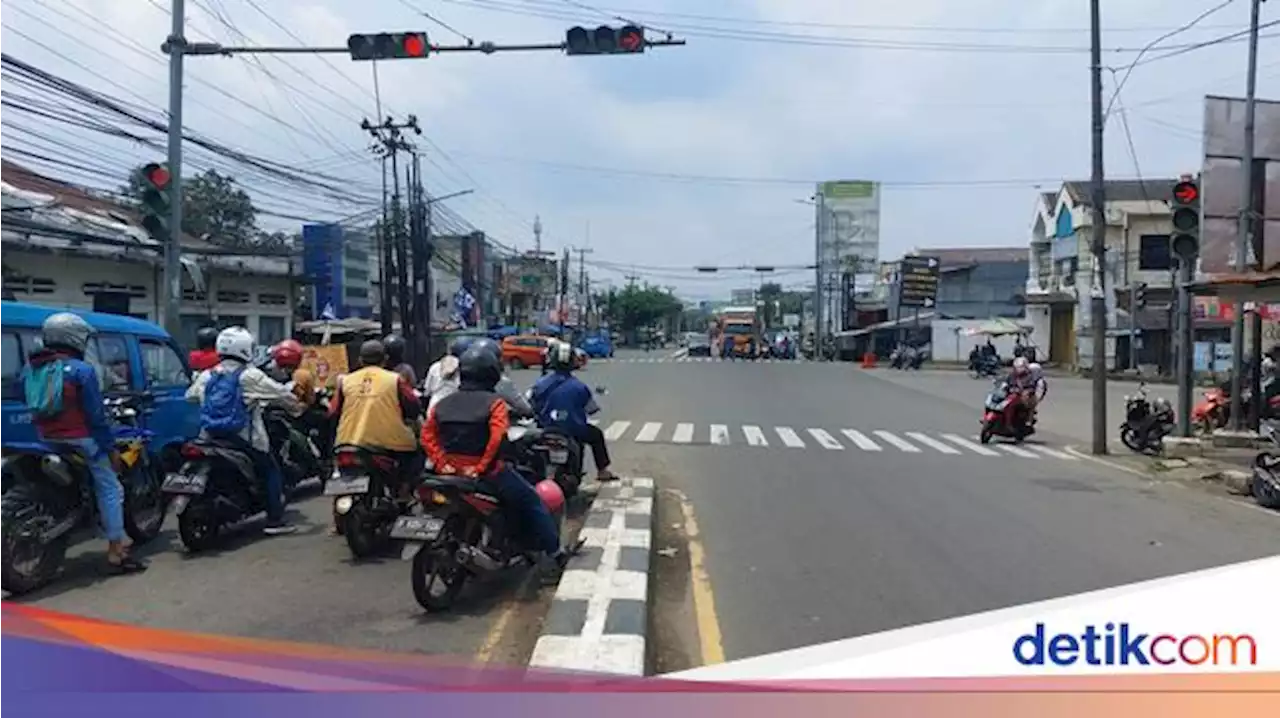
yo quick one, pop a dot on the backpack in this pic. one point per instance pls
(223, 410)
(42, 387)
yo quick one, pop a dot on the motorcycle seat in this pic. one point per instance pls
(352, 448)
(460, 484)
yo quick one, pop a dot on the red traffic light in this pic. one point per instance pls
(631, 39)
(157, 175)
(1185, 193)
(415, 45)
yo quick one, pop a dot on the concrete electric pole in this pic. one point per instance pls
(1098, 292)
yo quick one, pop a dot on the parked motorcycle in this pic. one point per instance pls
(457, 532)
(369, 490)
(1005, 414)
(985, 367)
(1266, 468)
(1213, 412)
(48, 493)
(1146, 422)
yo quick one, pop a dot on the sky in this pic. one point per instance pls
(683, 156)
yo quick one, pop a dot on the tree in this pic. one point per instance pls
(214, 207)
(769, 294)
(634, 307)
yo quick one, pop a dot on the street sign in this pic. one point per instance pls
(919, 282)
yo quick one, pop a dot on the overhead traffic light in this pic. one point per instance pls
(604, 40)
(156, 183)
(1186, 219)
(388, 46)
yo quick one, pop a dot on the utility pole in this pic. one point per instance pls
(1244, 243)
(420, 239)
(819, 276)
(582, 253)
(1099, 197)
(389, 142)
(176, 46)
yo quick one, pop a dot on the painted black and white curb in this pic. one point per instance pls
(599, 616)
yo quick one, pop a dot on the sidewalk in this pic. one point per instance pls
(1219, 470)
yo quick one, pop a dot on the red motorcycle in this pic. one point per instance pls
(1007, 413)
(1212, 413)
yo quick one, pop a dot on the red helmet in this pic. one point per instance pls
(287, 353)
(551, 495)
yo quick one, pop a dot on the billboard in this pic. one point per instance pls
(1221, 182)
(849, 226)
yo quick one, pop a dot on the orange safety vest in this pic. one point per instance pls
(371, 411)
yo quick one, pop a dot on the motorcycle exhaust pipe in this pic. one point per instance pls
(471, 556)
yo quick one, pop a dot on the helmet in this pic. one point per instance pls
(206, 337)
(287, 354)
(394, 344)
(235, 343)
(373, 353)
(66, 330)
(460, 345)
(1268, 365)
(478, 368)
(1035, 368)
(551, 494)
(1020, 365)
(560, 355)
(488, 345)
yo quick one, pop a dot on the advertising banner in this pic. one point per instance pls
(1221, 180)
(849, 225)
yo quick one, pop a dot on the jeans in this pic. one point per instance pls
(106, 487)
(524, 506)
(267, 469)
(592, 436)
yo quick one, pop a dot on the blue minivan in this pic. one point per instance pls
(131, 355)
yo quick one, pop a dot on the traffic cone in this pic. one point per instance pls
(869, 360)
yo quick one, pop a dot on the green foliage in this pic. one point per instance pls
(214, 207)
(634, 306)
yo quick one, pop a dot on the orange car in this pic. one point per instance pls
(522, 351)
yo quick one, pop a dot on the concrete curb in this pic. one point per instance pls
(598, 619)
(1239, 482)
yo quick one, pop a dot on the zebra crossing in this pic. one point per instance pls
(821, 439)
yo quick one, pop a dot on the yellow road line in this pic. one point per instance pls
(498, 630)
(704, 601)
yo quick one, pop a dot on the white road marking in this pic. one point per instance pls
(861, 440)
(931, 442)
(719, 435)
(789, 437)
(683, 435)
(1016, 451)
(826, 440)
(970, 445)
(900, 443)
(755, 436)
(1051, 452)
(649, 432)
(616, 430)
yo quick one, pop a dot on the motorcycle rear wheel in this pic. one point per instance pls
(365, 538)
(198, 526)
(27, 564)
(436, 563)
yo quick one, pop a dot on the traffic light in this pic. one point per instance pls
(604, 40)
(1140, 295)
(156, 184)
(1186, 219)
(388, 46)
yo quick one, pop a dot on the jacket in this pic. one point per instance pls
(561, 400)
(442, 380)
(259, 390)
(201, 359)
(82, 416)
(372, 405)
(465, 432)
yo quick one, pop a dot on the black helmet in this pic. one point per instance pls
(460, 345)
(394, 344)
(479, 369)
(372, 353)
(490, 346)
(206, 338)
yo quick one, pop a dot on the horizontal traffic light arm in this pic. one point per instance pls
(487, 48)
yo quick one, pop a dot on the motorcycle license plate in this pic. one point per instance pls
(184, 483)
(417, 528)
(346, 485)
(559, 457)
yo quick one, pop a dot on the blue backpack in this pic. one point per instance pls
(42, 388)
(223, 411)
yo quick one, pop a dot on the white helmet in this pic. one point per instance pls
(235, 343)
(1020, 365)
(560, 354)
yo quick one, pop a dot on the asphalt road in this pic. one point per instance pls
(812, 543)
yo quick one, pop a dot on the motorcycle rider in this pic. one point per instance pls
(286, 368)
(562, 401)
(373, 406)
(204, 356)
(506, 388)
(62, 391)
(395, 346)
(1021, 381)
(1041, 387)
(236, 378)
(464, 434)
(442, 376)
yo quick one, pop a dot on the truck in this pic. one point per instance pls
(741, 326)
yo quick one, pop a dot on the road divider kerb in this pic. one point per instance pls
(598, 620)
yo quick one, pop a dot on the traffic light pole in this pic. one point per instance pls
(172, 275)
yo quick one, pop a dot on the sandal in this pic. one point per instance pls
(125, 566)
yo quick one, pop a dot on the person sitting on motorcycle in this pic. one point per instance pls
(286, 368)
(442, 376)
(71, 414)
(235, 375)
(374, 405)
(395, 346)
(1021, 381)
(204, 356)
(464, 434)
(562, 401)
(506, 388)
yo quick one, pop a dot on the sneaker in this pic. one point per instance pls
(278, 528)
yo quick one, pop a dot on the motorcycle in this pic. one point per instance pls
(48, 492)
(1212, 413)
(369, 489)
(457, 532)
(984, 367)
(539, 453)
(1266, 468)
(1005, 414)
(1146, 422)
